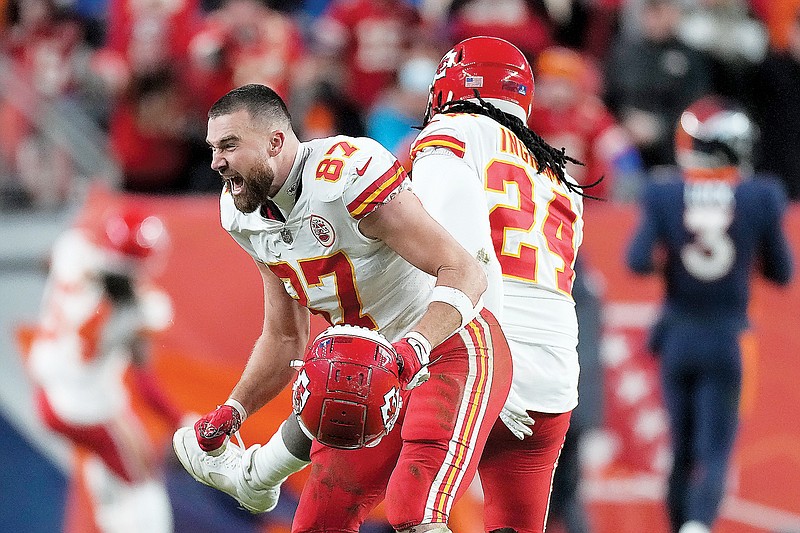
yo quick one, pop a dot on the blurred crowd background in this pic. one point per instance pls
(117, 90)
(115, 93)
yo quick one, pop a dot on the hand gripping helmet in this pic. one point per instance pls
(713, 135)
(497, 69)
(132, 233)
(347, 391)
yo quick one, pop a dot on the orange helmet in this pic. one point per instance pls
(561, 62)
(495, 68)
(714, 134)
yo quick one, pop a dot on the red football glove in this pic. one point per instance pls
(214, 428)
(413, 355)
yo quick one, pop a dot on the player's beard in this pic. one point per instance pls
(256, 188)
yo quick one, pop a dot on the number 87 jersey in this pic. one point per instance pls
(534, 223)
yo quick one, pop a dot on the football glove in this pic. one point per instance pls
(519, 425)
(214, 429)
(413, 356)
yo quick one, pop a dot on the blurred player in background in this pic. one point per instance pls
(503, 192)
(98, 313)
(333, 229)
(704, 234)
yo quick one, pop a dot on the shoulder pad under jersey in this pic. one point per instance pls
(443, 131)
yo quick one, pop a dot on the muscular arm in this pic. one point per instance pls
(443, 180)
(283, 337)
(405, 226)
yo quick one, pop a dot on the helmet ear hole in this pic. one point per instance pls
(460, 56)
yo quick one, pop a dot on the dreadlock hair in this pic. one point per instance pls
(545, 155)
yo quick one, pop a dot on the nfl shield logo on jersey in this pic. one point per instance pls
(322, 230)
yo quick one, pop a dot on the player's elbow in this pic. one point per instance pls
(470, 277)
(478, 280)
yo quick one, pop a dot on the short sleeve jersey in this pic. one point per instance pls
(325, 262)
(536, 225)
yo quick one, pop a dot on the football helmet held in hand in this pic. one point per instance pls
(347, 391)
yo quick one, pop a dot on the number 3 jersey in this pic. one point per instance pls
(713, 233)
(325, 262)
(534, 230)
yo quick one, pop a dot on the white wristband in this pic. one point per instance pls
(239, 407)
(457, 299)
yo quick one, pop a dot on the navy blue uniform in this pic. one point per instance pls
(713, 236)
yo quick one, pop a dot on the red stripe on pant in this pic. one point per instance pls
(429, 459)
(129, 462)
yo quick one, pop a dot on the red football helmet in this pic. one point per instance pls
(347, 391)
(497, 69)
(133, 233)
(714, 134)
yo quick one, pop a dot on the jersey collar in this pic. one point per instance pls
(287, 195)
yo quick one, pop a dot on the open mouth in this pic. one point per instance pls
(235, 184)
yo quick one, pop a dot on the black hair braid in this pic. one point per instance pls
(545, 155)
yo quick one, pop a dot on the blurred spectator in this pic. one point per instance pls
(368, 40)
(651, 79)
(568, 113)
(143, 71)
(148, 133)
(45, 57)
(327, 112)
(778, 111)
(522, 22)
(734, 40)
(241, 42)
(588, 25)
(145, 36)
(98, 314)
(401, 106)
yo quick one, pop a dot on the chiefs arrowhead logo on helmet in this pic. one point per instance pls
(300, 392)
(347, 393)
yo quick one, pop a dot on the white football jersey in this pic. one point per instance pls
(73, 357)
(325, 262)
(536, 228)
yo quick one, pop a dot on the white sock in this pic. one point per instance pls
(693, 526)
(273, 462)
